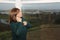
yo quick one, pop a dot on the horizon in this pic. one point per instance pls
(41, 6)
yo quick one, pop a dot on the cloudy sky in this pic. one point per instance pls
(39, 0)
(7, 0)
(41, 6)
(32, 0)
(6, 6)
(55, 4)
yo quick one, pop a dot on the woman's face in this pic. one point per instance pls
(19, 14)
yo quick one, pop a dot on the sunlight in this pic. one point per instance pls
(18, 4)
(41, 1)
(7, 1)
(31, 0)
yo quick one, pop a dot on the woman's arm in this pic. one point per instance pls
(26, 24)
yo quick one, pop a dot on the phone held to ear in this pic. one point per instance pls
(20, 20)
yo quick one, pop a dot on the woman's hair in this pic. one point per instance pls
(13, 13)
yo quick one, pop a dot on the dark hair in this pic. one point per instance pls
(13, 13)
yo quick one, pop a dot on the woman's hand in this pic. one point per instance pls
(24, 23)
(19, 19)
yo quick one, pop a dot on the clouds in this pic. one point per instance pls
(6, 6)
(7, 0)
(40, 0)
(29, 0)
(42, 6)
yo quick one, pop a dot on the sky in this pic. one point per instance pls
(35, 0)
(41, 6)
(54, 4)
(6, 6)
(29, 0)
(38, 0)
(7, 0)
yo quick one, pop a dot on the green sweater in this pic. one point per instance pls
(18, 29)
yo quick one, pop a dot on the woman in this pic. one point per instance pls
(18, 25)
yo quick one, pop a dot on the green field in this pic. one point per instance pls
(4, 16)
(37, 32)
(44, 32)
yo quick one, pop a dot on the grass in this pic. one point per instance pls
(37, 32)
(5, 35)
(43, 32)
(4, 16)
